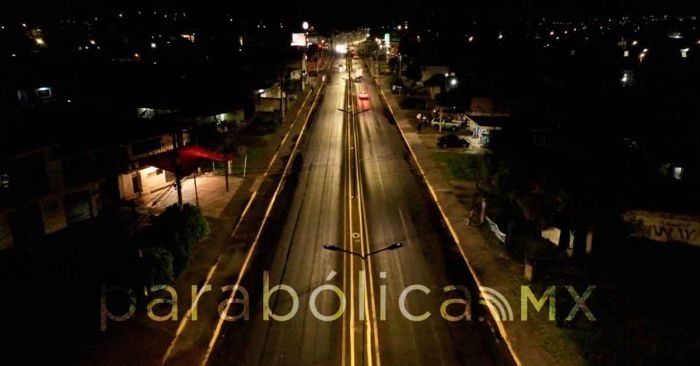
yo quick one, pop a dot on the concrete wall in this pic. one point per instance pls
(268, 105)
(664, 227)
(126, 187)
(53, 215)
(152, 178)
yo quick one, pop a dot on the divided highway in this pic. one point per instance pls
(356, 191)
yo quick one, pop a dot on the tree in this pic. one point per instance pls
(414, 71)
(178, 230)
(368, 48)
(158, 266)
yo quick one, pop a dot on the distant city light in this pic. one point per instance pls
(305, 25)
(684, 52)
(92, 42)
(40, 42)
(471, 38)
(341, 48)
(453, 81)
(627, 78)
(153, 45)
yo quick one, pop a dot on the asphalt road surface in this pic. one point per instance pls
(357, 191)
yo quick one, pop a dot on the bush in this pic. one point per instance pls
(177, 230)
(158, 266)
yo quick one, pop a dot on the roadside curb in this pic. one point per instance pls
(313, 96)
(494, 318)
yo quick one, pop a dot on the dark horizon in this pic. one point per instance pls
(345, 14)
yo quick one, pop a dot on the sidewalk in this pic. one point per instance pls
(210, 195)
(142, 341)
(536, 341)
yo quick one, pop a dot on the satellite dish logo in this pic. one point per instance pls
(495, 301)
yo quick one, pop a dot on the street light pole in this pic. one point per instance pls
(336, 248)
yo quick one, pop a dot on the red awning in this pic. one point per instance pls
(187, 159)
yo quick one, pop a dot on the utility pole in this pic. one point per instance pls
(196, 194)
(282, 97)
(245, 164)
(178, 177)
(400, 66)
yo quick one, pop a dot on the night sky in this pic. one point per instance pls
(349, 13)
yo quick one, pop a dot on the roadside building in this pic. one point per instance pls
(134, 176)
(482, 127)
(47, 188)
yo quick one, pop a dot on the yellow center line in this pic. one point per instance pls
(370, 275)
(370, 311)
(345, 269)
(351, 240)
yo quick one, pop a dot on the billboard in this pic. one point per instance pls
(299, 39)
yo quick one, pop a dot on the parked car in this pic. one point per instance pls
(448, 125)
(451, 141)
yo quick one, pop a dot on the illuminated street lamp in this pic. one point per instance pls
(451, 80)
(305, 25)
(336, 248)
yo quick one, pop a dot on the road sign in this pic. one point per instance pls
(299, 39)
